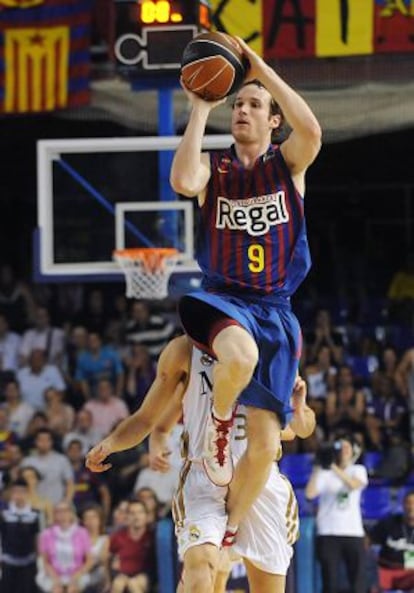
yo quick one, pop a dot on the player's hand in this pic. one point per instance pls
(159, 452)
(299, 393)
(198, 102)
(95, 459)
(257, 65)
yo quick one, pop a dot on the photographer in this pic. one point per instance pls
(338, 482)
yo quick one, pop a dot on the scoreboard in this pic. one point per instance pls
(152, 34)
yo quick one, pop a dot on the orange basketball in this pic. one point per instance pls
(213, 65)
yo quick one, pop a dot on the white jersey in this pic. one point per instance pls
(266, 535)
(197, 407)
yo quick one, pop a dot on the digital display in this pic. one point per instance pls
(157, 12)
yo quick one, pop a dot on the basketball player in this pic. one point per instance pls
(253, 251)
(200, 542)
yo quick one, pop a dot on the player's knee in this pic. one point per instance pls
(262, 450)
(200, 576)
(241, 364)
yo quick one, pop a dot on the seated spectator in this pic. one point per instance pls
(16, 300)
(163, 484)
(140, 373)
(94, 315)
(55, 469)
(75, 345)
(83, 431)
(106, 409)
(89, 488)
(401, 293)
(395, 535)
(96, 363)
(39, 502)
(324, 334)
(36, 377)
(43, 337)
(143, 327)
(386, 412)
(19, 526)
(388, 364)
(11, 471)
(93, 520)
(9, 347)
(152, 504)
(345, 406)
(7, 438)
(20, 413)
(119, 516)
(38, 421)
(320, 378)
(404, 375)
(65, 554)
(60, 415)
(134, 549)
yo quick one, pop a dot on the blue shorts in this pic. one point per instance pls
(275, 329)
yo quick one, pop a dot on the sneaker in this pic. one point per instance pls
(217, 456)
(229, 537)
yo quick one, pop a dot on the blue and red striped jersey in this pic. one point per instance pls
(252, 233)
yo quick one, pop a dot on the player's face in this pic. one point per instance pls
(251, 119)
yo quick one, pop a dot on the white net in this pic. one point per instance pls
(147, 271)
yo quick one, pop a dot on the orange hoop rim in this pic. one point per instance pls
(145, 253)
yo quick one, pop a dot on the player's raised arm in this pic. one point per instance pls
(304, 142)
(190, 169)
(172, 365)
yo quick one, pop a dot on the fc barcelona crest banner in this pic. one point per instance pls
(44, 55)
(318, 28)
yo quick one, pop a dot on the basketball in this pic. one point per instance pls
(213, 66)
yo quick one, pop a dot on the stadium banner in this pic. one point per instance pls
(289, 28)
(394, 26)
(241, 17)
(44, 55)
(318, 28)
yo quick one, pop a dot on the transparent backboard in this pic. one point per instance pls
(96, 195)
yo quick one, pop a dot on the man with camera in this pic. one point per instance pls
(338, 482)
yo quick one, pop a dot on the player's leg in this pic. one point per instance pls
(237, 354)
(223, 571)
(200, 568)
(263, 443)
(260, 581)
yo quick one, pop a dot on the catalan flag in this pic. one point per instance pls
(44, 54)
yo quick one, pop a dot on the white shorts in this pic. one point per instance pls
(199, 509)
(271, 527)
(265, 536)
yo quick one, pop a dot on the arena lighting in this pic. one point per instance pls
(151, 34)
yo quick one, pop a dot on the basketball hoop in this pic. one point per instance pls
(147, 270)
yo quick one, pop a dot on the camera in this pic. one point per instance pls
(327, 454)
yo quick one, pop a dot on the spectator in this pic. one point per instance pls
(19, 526)
(14, 459)
(76, 344)
(404, 375)
(41, 504)
(16, 300)
(9, 347)
(140, 373)
(345, 406)
(320, 378)
(94, 316)
(395, 535)
(7, 438)
(65, 552)
(340, 533)
(60, 416)
(89, 488)
(35, 378)
(388, 364)
(119, 516)
(38, 421)
(43, 337)
(106, 409)
(386, 412)
(324, 334)
(163, 484)
(83, 431)
(55, 469)
(20, 413)
(133, 547)
(152, 504)
(94, 523)
(99, 362)
(153, 331)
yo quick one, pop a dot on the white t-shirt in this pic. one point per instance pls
(339, 510)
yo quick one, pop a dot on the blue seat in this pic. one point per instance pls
(371, 460)
(297, 467)
(306, 507)
(376, 502)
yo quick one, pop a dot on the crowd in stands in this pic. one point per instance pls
(74, 361)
